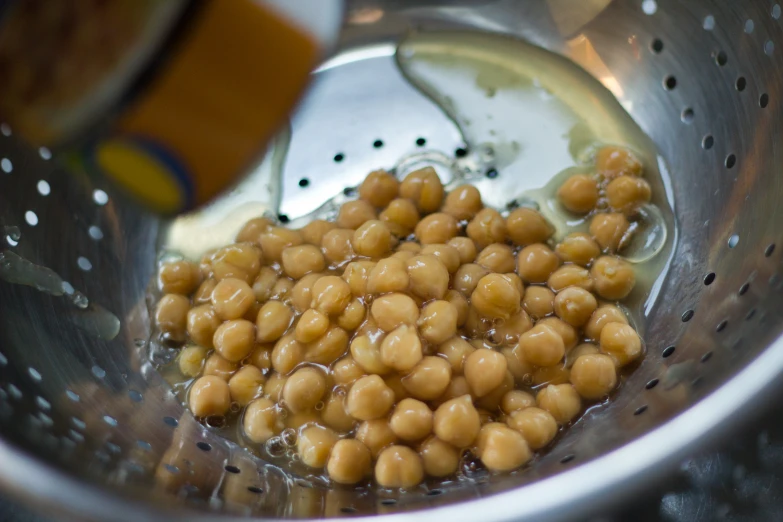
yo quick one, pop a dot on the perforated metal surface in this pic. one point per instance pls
(85, 420)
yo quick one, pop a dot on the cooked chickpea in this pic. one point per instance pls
(273, 320)
(354, 214)
(389, 275)
(347, 370)
(535, 263)
(438, 321)
(277, 239)
(429, 379)
(594, 376)
(542, 346)
(273, 389)
(465, 247)
(240, 261)
(372, 239)
(460, 304)
(612, 161)
(209, 396)
(283, 289)
(287, 354)
(527, 226)
(331, 295)
(456, 350)
(353, 316)
(516, 400)
(487, 227)
(457, 422)
(485, 371)
(401, 216)
(409, 246)
(298, 261)
(491, 401)
(518, 366)
(496, 297)
(508, 332)
(394, 381)
(304, 389)
(627, 193)
(204, 293)
(436, 228)
(234, 339)
(391, 311)
(457, 388)
(558, 374)
(261, 421)
(561, 401)
(367, 354)
(379, 188)
(497, 258)
(369, 398)
(314, 444)
(264, 283)
(349, 461)
(191, 360)
(312, 325)
(539, 302)
(179, 277)
(411, 420)
(604, 315)
(613, 277)
(335, 416)
(337, 245)
(610, 231)
(575, 305)
(537, 426)
(424, 188)
(376, 434)
(467, 277)
(500, 448)
(246, 385)
(621, 342)
(401, 349)
(446, 254)
(578, 351)
(216, 365)
(357, 275)
(302, 292)
(252, 230)
(313, 233)
(202, 321)
(403, 255)
(232, 298)
(567, 332)
(297, 421)
(578, 194)
(570, 275)
(429, 278)
(578, 248)
(171, 316)
(261, 357)
(440, 459)
(464, 202)
(329, 347)
(399, 467)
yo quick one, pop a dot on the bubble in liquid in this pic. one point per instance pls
(80, 300)
(275, 447)
(13, 233)
(649, 237)
(234, 407)
(288, 436)
(319, 406)
(215, 421)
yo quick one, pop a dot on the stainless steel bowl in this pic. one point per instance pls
(86, 420)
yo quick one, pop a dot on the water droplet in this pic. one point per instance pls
(649, 238)
(13, 233)
(95, 233)
(288, 436)
(275, 447)
(45, 153)
(80, 300)
(319, 406)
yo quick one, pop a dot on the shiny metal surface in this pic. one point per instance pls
(86, 421)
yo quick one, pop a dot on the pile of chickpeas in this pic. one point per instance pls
(417, 327)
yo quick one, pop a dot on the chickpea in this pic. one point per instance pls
(537, 426)
(399, 467)
(401, 216)
(304, 389)
(409, 246)
(594, 376)
(464, 202)
(204, 293)
(500, 448)
(465, 247)
(436, 228)
(335, 416)
(354, 214)
(457, 388)
(179, 277)
(518, 366)
(347, 370)
(485, 371)
(350, 460)
(579, 194)
(401, 349)
(578, 351)
(561, 401)
(613, 277)
(171, 316)
(209, 396)
(234, 339)
(467, 277)
(369, 398)
(497, 258)
(273, 389)
(191, 360)
(302, 292)
(460, 304)
(621, 342)
(240, 261)
(313, 233)
(411, 420)
(331, 295)
(567, 332)
(570, 275)
(389, 275)
(379, 188)
(264, 283)
(542, 346)
(205, 264)
(357, 275)
(424, 188)
(456, 350)
(261, 421)
(277, 239)
(312, 325)
(246, 385)
(496, 297)
(457, 422)
(429, 278)
(612, 161)
(287, 354)
(353, 316)
(367, 354)
(575, 305)
(511, 329)
(273, 320)
(535, 263)
(298, 261)
(440, 459)
(627, 193)
(539, 301)
(604, 315)
(372, 239)
(438, 321)
(492, 400)
(216, 365)
(578, 248)
(297, 421)
(252, 230)
(558, 374)
(391, 311)
(376, 435)
(314, 445)
(232, 298)
(477, 326)
(337, 245)
(283, 289)
(329, 347)
(610, 231)
(394, 381)
(516, 400)
(202, 321)
(487, 227)
(429, 379)
(261, 357)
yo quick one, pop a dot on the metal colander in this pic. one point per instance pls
(91, 430)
